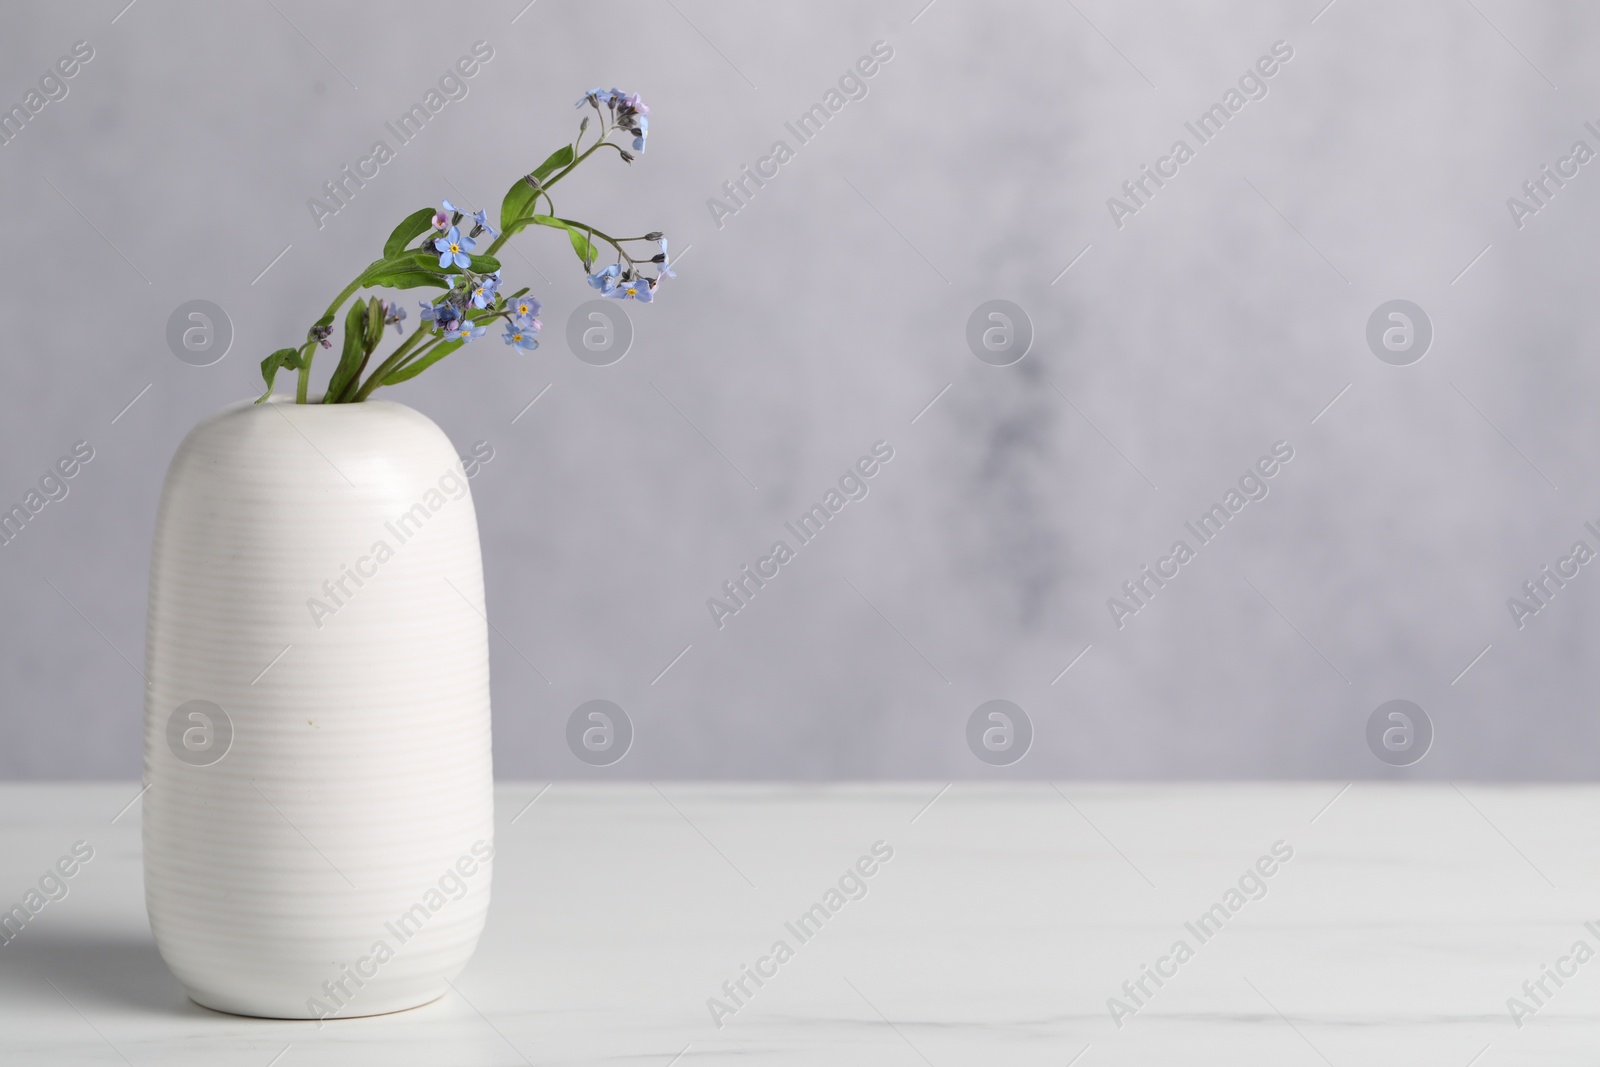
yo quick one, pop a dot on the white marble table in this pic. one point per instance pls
(1006, 918)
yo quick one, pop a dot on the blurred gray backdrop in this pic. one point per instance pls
(1175, 342)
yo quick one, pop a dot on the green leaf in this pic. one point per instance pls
(583, 246)
(520, 197)
(283, 357)
(417, 257)
(416, 367)
(561, 157)
(411, 227)
(577, 233)
(538, 220)
(374, 324)
(412, 260)
(406, 270)
(355, 350)
(430, 261)
(408, 278)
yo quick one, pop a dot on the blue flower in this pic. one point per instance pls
(393, 315)
(483, 290)
(521, 336)
(480, 222)
(525, 312)
(463, 330)
(663, 266)
(633, 116)
(453, 248)
(444, 315)
(606, 280)
(633, 289)
(598, 96)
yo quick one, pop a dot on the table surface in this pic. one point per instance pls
(1007, 918)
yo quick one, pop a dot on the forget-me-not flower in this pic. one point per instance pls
(393, 315)
(633, 289)
(521, 337)
(663, 262)
(606, 280)
(444, 315)
(483, 290)
(525, 311)
(453, 248)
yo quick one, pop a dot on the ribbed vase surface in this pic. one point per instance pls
(318, 824)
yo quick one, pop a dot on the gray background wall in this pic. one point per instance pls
(825, 316)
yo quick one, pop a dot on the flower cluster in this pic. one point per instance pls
(450, 314)
(623, 281)
(628, 112)
(453, 314)
(440, 249)
(523, 323)
(619, 285)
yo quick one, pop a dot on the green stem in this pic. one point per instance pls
(614, 242)
(407, 352)
(562, 224)
(350, 386)
(311, 350)
(568, 169)
(401, 359)
(305, 361)
(421, 353)
(434, 341)
(388, 366)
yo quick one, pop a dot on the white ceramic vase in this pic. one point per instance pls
(318, 826)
